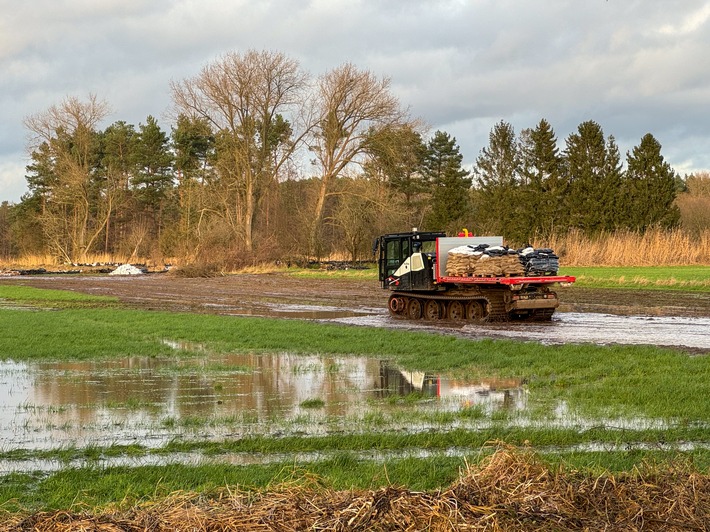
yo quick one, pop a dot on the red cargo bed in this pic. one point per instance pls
(544, 279)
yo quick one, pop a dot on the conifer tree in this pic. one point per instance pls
(594, 176)
(154, 179)
(395, 159)
(153, 160)
(498, 177)
(543, 179)
(650, 187)
(451, 184)
(612, 211)
(117, 169)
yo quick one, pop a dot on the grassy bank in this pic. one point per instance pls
(683, 278)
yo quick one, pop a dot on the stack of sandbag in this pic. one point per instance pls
(483, 261)
(541, 261)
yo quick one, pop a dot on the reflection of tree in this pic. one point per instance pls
(127, 389)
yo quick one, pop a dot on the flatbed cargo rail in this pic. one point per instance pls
(542, 279)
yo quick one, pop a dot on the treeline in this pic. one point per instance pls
(526, 186)
(262, 162)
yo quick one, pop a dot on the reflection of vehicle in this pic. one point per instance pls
(505, 393)
(413, 266)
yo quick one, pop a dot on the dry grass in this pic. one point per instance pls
(50, 263)
(511, 490)
(268, 267)
(200, 269)
(655, 247)
(29, 262)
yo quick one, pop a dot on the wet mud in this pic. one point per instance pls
(603, 316)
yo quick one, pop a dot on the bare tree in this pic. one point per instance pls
(253, 101)
(76, 209)
(351, 104)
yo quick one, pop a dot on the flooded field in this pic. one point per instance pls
(571, 327)
(665, 318)
(152, 401)
(199, 395)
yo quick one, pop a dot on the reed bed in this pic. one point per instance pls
(510, 490)
(51, 262)
(655, 247)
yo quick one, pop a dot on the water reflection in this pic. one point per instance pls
(151, 400)
(490, 393)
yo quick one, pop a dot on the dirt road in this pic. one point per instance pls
(586, 315)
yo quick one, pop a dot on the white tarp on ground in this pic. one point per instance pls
(126, 269)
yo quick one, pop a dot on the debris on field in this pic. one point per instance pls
(36, 271)
(127, 269)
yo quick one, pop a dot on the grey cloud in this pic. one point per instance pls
(634, 66)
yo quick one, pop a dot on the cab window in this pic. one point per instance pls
(396, 253)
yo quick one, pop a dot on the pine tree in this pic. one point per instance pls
(650, 186)
(395, 159)
(153, 160)
(594, 178)
(451, 184)
(498, 196)
(153, 180)
(612, 213)
(543, 180)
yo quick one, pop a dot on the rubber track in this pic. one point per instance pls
(493, 298)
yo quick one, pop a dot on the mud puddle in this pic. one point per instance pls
(669, 331)
(304, 312)
(151, 401)
(571, 327)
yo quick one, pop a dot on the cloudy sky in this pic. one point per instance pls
(633, 66)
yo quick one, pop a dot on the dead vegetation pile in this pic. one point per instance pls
(511, 490)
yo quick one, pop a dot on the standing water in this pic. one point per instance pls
(154, 400)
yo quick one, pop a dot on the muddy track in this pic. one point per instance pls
(219, 294)
(585, 315)
(629, 302)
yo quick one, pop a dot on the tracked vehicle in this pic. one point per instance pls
(413, 266)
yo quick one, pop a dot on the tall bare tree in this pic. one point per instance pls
(64, 143)
(252, 100)
(351, 105)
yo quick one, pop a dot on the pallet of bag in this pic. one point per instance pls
(540, 261)
(483, 261)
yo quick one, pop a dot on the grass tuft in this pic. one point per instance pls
(313, 403)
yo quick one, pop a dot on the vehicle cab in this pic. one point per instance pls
(406, 260)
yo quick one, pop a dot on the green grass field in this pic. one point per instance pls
(610, 390)
(685, 278)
